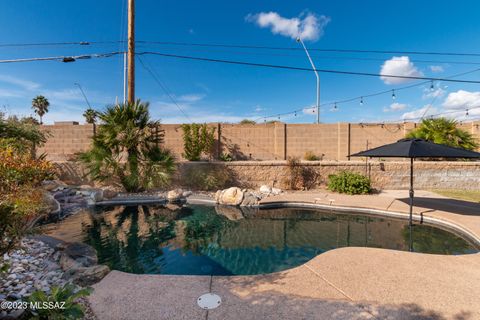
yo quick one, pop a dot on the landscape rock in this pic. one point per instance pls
(249, 200)
(265, 189)
(77, 255)
(175, 195)
(53, 207)
(276, 191)
(232, 196)
(109, 193)
(87, 276)
(187, 193)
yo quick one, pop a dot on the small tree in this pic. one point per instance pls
(444, 131)
(127, 147)
(247, 121)
(90, 116)
(198, 139)
(40, 105)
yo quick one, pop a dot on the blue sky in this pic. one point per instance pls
(220, 92)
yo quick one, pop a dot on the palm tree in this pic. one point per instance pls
(40, 104)
(91, 117)
(444, 131)
(127, 147)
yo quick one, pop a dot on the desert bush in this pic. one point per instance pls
(198, 139)
(349, 183)
(206, 177)
(299, 176)
(310, 156)
(64, 301)
(18, 213)
(19, 169)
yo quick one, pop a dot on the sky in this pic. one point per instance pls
(198, 91)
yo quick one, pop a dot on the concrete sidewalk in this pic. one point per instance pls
(345, 283)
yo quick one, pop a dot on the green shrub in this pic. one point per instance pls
(310, 156)
(206, 177)
(65, 302)
(198, 139)
(227, 157)
(349, 183)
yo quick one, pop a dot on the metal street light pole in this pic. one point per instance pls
(83, 93)
(318, 78)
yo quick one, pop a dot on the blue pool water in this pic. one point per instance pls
(205, 240)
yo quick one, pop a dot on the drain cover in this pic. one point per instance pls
(209, 301)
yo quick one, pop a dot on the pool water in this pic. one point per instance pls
(205, 240)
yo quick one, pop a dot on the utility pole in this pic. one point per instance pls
(131, 51)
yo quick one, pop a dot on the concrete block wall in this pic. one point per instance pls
(271, 141)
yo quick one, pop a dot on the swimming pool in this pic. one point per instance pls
(206, 240)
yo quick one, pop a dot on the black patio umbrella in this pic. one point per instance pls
(416, 148)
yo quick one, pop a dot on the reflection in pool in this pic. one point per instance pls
(228, 241)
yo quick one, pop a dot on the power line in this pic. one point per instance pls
(47, 44)
(270, 54)
(157, 80)
(362, 97)
(312, 49)
(64, 58)
(274, 66)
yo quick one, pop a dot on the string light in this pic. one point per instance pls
(361, 101)
(335, 106)
(466, 113)
(432, 87)
(295, 113)
(393, 94)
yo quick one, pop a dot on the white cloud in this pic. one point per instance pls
(25, 84)
(308, 26)
(194, 97)
(395, 107)
(435, 93)
(399, 66)
(310, 110)
(462, 99)
(426, 111)
(436, 69)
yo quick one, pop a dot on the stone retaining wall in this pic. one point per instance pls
(384, 175)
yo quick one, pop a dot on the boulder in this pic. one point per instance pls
(231, 213)
(175, 195)
(87, 276)
(249, 200)
(109, 193)
(187, 193)
(276, 191)
(265, 189)
(52, 205)
(77, 255)
(232, 196)
(50, 185)
(93, 195)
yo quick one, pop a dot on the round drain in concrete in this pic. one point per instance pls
(209, 301)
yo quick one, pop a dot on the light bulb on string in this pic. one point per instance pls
(361, 101)
(393, 94)
(295, 113)
(466, 113)
(335, 106)
(432, 87)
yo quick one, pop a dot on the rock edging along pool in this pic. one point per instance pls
(218, 240)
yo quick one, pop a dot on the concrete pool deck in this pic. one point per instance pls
(345, 283)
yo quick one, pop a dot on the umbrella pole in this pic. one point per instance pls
(411, 204)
